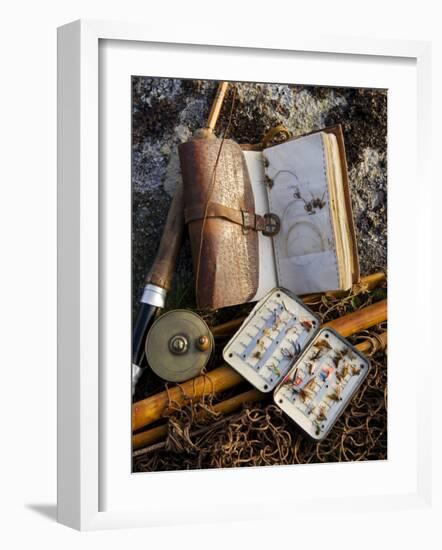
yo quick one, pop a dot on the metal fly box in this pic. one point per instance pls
(271, 338)
(321, 383)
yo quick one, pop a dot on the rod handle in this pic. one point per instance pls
(163, 268)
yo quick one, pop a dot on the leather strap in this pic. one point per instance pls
(269, 224)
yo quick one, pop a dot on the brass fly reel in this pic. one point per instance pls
(179, 345)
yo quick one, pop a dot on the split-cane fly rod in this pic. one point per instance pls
(159, 279)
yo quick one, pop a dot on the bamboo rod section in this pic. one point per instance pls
(358, 320)
(143, 439)
(216, 106)
(148, 437)
(228, 327)
(222, 378)
(373, 344)
(369, 282)
(152, 408)
(366, 283)
(153, 435)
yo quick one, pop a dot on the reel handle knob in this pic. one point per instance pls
(203, 343)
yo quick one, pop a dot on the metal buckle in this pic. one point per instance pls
(272, 225)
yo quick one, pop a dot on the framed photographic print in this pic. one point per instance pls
(224, 250)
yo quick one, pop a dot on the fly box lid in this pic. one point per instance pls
(321, 383)
(271, 339)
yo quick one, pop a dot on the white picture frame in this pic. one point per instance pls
(81, 447)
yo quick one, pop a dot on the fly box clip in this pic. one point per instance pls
(271, 339)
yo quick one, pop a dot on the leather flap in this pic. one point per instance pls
(228, 256)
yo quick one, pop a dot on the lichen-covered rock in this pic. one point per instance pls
(166, 112)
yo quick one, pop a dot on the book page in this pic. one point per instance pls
(305, 247)
(340, 216)
(267, 268)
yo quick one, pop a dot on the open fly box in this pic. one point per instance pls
(315, 371)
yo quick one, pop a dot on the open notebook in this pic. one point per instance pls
(302, 184)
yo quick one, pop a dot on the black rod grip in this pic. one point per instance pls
(145, 318)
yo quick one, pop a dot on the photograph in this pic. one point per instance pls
(259, 274)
